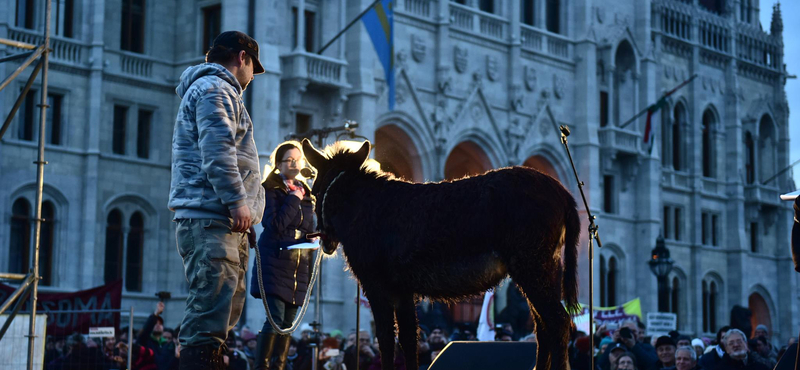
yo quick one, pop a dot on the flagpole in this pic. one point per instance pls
(348, 26)
(628, 122)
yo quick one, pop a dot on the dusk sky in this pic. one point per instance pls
(791, 49)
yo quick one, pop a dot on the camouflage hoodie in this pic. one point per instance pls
(215, 164)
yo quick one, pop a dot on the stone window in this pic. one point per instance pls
(750, 158)
(27, 117)
(766, 148)
(127, 234)
(64, 11)
(114, 246)
(553, 12)
(26, 14)
(709, 232)
(302, 123)
(608, 281)
(133, 24)
(678, 121)
(603, 109)
(675, 298)
(144, 123)
(710, 297)
(754, 247)
(134, 255)
(486, 6)
(46, 243)
(54, 118)
(609, 194)
(673, 222)
(714, 6)
(527, 12)
(212, 26)
(666, 141)
(708, 123)
(745, 11)
(118, 134)
(20, 237)
(310, 29)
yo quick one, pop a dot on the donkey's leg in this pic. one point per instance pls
(383, 313)
(552, 326)
(407, 326)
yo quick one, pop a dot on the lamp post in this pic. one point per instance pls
(661, 265)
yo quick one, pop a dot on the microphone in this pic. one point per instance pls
(308, 173)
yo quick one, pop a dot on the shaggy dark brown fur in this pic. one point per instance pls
(450, 240)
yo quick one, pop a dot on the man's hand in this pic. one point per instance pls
(251, 237)
(159, 308)
(241, 219)
(366, 349)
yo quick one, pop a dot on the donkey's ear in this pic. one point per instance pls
(363, 152)
(314, 156)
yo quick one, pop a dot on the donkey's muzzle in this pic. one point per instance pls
(329, 246)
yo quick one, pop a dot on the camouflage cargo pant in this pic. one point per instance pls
(215, 262)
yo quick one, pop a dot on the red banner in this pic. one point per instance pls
(106, 297)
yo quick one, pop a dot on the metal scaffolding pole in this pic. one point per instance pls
(40, 162)
(30, 284)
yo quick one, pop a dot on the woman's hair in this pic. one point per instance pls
(277, 156)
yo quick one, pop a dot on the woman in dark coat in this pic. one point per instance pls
(288, 217)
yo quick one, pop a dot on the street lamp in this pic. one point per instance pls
(661, 265)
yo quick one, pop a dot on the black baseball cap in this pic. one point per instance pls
(241, 41)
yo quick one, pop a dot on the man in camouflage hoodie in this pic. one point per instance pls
(216, 194)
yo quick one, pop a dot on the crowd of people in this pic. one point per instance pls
(627, 348)
(156, 347)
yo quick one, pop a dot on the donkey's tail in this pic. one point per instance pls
(572, 224)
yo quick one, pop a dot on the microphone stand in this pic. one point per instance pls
(593, 235)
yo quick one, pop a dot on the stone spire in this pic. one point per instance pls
(776, 28)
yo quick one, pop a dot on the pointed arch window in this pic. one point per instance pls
(766, 149)
(710, 295)
(133, 262)
(675, 298)
(608, 281)
(750, 160)
(20, 238)
(612, 281)
(678, 119)
(603, 279)
(46, 243)
(113, 259)
(708, 143)
(666, 141)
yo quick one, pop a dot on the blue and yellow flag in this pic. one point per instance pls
(379, 22)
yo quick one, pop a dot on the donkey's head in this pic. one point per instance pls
(336, 159)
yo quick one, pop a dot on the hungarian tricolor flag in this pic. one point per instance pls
(649, 131)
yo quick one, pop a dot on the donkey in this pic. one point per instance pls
(448, 241)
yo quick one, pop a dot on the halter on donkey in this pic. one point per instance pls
(450, 240)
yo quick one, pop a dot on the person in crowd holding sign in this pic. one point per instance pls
(285, 273)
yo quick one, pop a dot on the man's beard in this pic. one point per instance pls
(740, 354)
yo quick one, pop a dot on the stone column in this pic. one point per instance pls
(301, 26)
(583, 142)
(92, 213)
